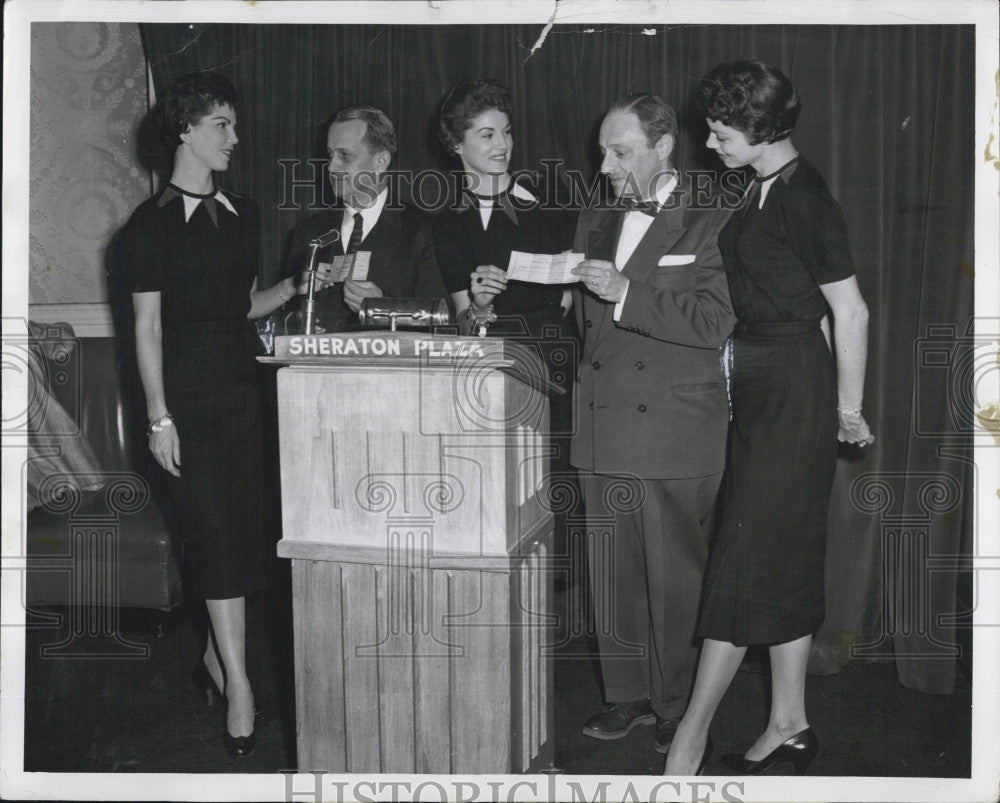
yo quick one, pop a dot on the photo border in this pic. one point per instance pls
(18, 16)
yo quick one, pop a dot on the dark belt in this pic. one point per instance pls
(778, 329)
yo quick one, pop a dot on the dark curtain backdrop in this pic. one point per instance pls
(887, 118)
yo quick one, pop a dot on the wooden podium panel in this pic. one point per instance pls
(415, 515)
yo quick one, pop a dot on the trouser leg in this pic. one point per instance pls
(676, 522)
(616, 567)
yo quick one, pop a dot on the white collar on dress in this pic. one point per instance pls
(191, 203)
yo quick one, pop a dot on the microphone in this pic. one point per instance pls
(324, 240)
(315, 244)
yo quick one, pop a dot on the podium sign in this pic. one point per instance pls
(415, 513)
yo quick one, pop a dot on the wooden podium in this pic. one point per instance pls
(415, 514)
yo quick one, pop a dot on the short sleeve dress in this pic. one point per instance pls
(764, 583)
(201, 253)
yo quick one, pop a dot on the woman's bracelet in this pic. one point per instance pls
(281, 294)
(160, 424)
(849, 410)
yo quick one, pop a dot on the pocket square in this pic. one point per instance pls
(675, 259)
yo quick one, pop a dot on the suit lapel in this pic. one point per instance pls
(602, 240)
(661, 236)
(387, 248)
(602, 243)
(383, 235)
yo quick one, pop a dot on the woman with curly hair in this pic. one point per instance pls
(191, 255)
(793, 397)
(499, 211)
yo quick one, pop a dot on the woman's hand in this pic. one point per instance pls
(853, 428)
(322, 280)
(164, 442)
(486, 283)
(166, 448)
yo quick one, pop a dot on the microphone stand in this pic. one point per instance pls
(310, 322)
(331, 236)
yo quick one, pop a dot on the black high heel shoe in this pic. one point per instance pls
(241, 746)
(799, 750)
(206, 684)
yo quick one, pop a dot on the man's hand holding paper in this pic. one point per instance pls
(602, 278)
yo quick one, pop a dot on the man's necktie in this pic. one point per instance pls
(356, 234)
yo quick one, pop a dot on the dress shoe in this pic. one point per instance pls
(798, 750)
(241, 746)
(665, 730)
(205, 684)
(617, 719)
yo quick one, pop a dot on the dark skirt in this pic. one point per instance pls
(214, 394)
(764, 583)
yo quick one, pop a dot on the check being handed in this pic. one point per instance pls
(543, 268)
(345, 266)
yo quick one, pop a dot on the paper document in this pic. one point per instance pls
(345, 266)
(543, 268)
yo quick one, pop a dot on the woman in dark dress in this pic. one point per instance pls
(496, 213)
(787, 260)
(191, 256)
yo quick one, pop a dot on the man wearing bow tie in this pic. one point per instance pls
(652, 416)
(361, 142)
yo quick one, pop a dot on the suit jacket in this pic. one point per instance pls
(650, 391)
(402, 263)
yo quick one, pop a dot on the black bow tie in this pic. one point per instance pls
(646, 207)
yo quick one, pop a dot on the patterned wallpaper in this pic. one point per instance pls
(88, 94)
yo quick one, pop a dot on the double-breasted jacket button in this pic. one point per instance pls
(591, 405)
(640, 365)
(588, 323)
(642, 408)
(597, 365)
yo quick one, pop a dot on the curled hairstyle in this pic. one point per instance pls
(187, 100)
(380, 134)
(464, 103)
(656, 116)
(753, 97)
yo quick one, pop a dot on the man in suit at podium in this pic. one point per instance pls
(361, 142)
(652, 416)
